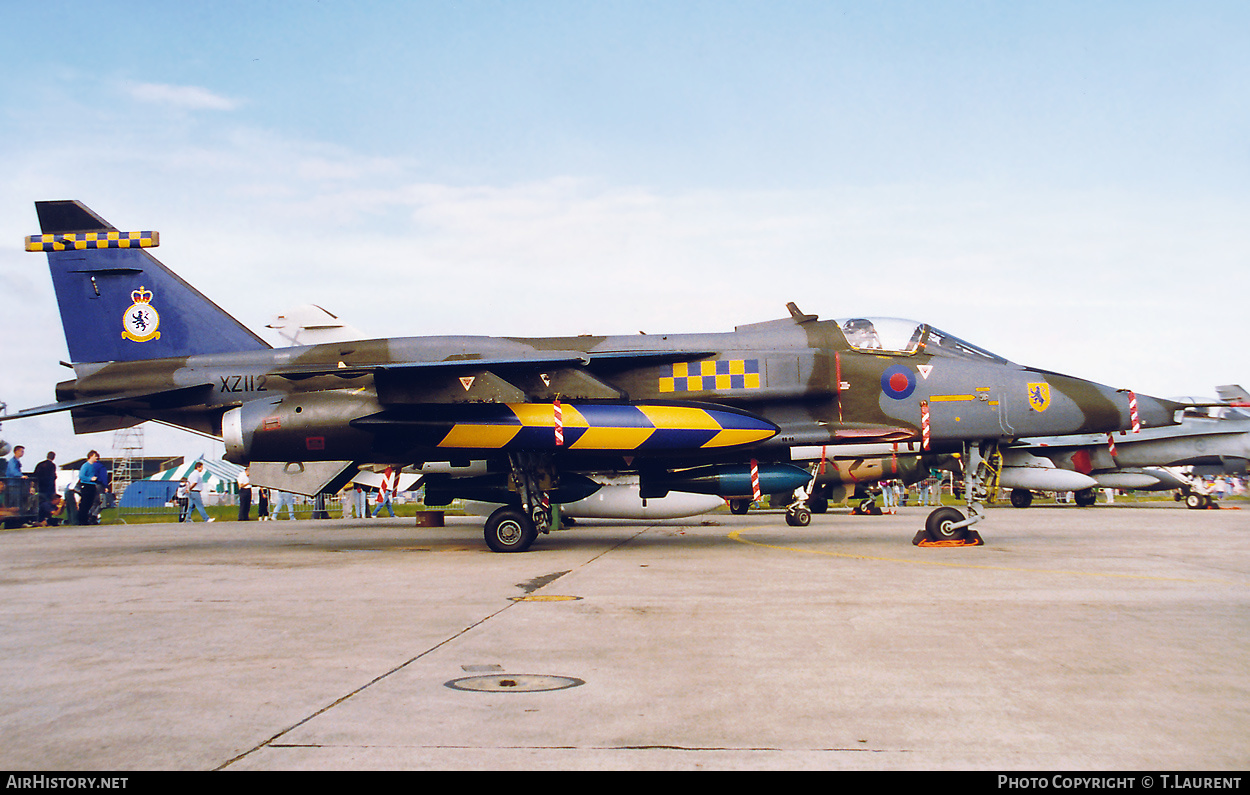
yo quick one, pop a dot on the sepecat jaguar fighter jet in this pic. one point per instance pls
(685, 412)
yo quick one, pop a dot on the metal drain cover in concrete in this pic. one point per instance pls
(514, 683)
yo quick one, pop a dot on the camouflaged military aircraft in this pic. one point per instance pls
(682, 411)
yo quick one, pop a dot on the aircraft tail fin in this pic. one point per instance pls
(1233, 394)
(118, 302)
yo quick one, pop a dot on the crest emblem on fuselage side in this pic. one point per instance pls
(1039, 396)
(141, 320)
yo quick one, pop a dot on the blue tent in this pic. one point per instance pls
(149, 494)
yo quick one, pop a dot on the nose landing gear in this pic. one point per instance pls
(947, 527)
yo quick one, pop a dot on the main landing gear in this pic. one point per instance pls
(798, 512)
(1195, 500)
(514, 528)
(509, 530)
(946, 526)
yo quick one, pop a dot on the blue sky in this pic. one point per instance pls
(1061, 183)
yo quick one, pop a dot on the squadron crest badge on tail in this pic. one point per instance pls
(141, 320)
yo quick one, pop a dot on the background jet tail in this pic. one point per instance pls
(1233, 394)
(118, 302)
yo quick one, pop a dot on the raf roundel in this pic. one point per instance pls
(898, 382)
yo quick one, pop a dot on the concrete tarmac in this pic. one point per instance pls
(1109, 638)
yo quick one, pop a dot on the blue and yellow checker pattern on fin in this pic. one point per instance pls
(713, 374)
(81, 241)
(607, 428)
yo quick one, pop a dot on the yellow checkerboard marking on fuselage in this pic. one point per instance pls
(712, 375)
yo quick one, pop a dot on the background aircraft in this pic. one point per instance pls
(1210, 435)
(680, 411)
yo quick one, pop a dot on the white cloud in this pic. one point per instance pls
(186, 97)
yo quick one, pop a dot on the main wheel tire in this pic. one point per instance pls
(799, 517)
(938, 525)
(1085, 498)
(1195, 502)
(1021, 498)
(509, 530)
(739, 507)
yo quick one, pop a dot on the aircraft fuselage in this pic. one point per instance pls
(803, 378)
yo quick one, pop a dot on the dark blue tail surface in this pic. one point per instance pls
(118, 302)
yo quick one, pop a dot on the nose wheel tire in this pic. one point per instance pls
(509, 530)
(938, 525)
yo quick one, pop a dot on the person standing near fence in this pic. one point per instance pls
(889, 497)
(180, 497)
(90, 476)
(14, 468)
(45, 478)
(245, 496)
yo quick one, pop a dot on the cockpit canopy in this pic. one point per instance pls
(892, 335)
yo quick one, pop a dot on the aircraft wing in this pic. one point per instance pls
(547, 360)
(542, 375)
(125, 402)
(1206, 430)
(542, 361)
(404, 382)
